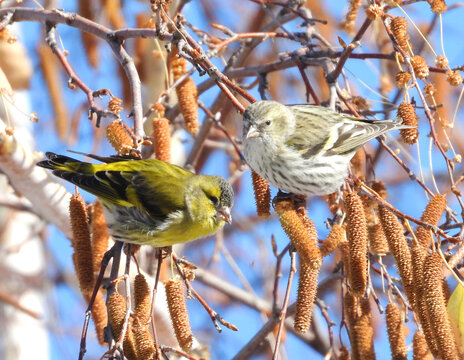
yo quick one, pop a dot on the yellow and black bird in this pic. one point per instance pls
(149, 201)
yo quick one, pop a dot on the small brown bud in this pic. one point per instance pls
(420, 67)
(399, 28)
(438, 6)
(441, 61)
(9, 130)
(115, 105)
(374, 11)
(430, 90)
(454, 78)
(402, 79)
(379, 187)
(386, 84)
(360, 103)
(407, 113)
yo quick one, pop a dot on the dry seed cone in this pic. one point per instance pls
(357, 238)
(436, 307)
(307, 288)
(399, 249)
(178, 311)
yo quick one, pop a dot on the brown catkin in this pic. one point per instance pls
(420, 350)
(144, 343)
(430, 90)
(118, 137)
(418, 254)
(431, 215)
(129, 345)
(344, 354)
(186, 93)
(99, 314)
(364, 332)
(81, 243)
(399, 249)
(407, 113)
(441, 61)
(50, 70)
(402, 79)
(114, 105)
(344, 247)
(357, 238)
(307, 288)
(374, 11)
(395, 330)
(399, 29)
(100, 235)
(162, 137)
(142, 300)
(454, 78)
(89, 40)
(336, 236)
(436, 307)
(349, 23)
(303, 238)
(438, 6)
(379, 187)
(420, 67)
(378, 244)
(262, 192)
(116, 313)
(350, 308)
(178, 311)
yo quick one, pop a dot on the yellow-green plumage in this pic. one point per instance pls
(149, 201)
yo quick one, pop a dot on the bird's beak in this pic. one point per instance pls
(223, 213)
(252, 132)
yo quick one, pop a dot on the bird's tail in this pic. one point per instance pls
(61, 163)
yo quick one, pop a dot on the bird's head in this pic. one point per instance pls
(213, 200)
(268, 120)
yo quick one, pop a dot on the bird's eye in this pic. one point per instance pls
(268, 122)
(214, 200)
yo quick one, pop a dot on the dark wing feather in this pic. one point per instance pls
(333, 133)
(151, 185)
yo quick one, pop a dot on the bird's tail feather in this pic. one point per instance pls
(60, 162)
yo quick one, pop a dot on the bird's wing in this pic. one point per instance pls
(151, 185)
(336, 133)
